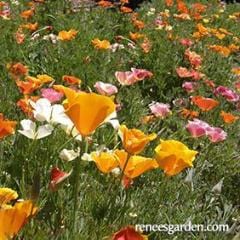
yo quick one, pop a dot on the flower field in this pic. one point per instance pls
(112, 117)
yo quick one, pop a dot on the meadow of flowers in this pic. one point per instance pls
(111, 117)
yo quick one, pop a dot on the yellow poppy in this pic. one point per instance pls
(67, 35)
(134, 140)
(135, 165)
(101, 44)
(7, 195)
(105, 161)
(173, 156)
(87, 110)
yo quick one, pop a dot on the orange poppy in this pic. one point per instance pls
(186, 113)
(205, 104)
(27, 14)
(71, 80)
(6, 127)
(134, 140)
(19, 36)
(87, 110)
(136, 36)
(169, 3)
(182, 7)
(13, 218)
(30, 26)
(27, 87)
(24, 104)
(104, 4)
(18, 69)
(228, 117)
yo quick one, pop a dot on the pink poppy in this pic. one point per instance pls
(141, 74)
(186, 42)
(105, 88)
(190, 86)
(51, 94)
(160, 109)
(216, 134)
(197, 128)
(227, 93)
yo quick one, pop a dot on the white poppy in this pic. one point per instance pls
(69, 155)
(31, 131)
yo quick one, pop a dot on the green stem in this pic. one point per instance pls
(76, 175)
(125, 166)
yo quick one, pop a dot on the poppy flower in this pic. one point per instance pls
(216, 134)
(67, 35)
(105, 161)
(173, 156)
(186, 113)
(186, 42)
(13, 218)
(169, 3)
(228, 117)
(72, 80)
(126, 9)
(106, 89)
(88, 110)
(30, 130)
(19, 36)
(136, 36)
(27, 14)
(27, 87)
(57, 177)
(227, 93)
(101, 44)
(129, 233)
(18, 69)
(205, 104)
(160, 110)
(134, 140)
(30, 26)
(69, 155)
(198, 128)
(134, 165)
(146, 45)
(194, 58)
(52, 95)
(7, 127)
(105, 4)
(189, 86)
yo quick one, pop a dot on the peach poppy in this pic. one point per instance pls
(67, 35)
(138, 24)
(135, 165)
(129, 233)
(146, 45)
(228, 117)
(19, 36)
(6, 127)
(126, 9)
(105, 4)
(101, 44)
(134, 140)
(87, 110)
(72, 80)
(205, 104)
(173, 156)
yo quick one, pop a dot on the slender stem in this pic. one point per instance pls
(76, 173)
(125, 166)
